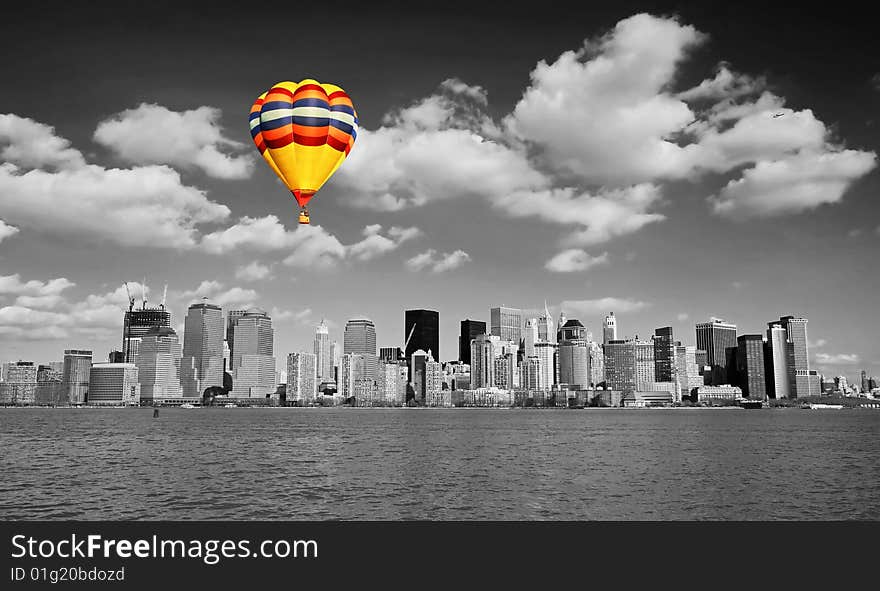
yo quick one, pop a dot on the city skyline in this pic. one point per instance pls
(660, 242)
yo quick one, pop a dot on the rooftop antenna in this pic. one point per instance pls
(125, 333)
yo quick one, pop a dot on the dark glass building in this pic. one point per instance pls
(751, 367)
(716, 337)
(664, 354)
(426, 335)
(470, 329)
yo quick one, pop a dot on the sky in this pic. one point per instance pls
(669, 163)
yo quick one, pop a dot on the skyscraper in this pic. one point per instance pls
(506, 323)
(302, 378)
(158, 364)
(136, 324)
(687, 371)
(323, 354)
(715, 337)
(231, 317)
(776, 359)
(530, 337)
(574, 364)
(802, 381)
(20, 383)
(609, 329)
(751, 366)
(253, 360)
(545, 326)
(426, 334)
(352, 370)
(77, 365)
(664, 354)
(469, 331)
(360, 338)
(202, 363)
(546, 354)
(418, 362)
(620, 365)
(645, 365)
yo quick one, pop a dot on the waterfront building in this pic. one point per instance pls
(360, 338)
(433, 381)
(716, 337)
(710, 393)
(469, 331)
(352, 369)
(158, 364)
(530, 337)
(302, 378)
(609, 329)
(75, 375)
(425, 328)
(253, 357)
(597, 363)
(202, 363)
(323, 354)
(751, 366)
(646, 398)
(573, 355)
(418, 370)
(391, 383)
(506, 323)
(802, 381)
(114, 384)
(547, 367)
(687, 371)
(20, 383)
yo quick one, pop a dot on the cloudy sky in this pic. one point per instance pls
(665, 163)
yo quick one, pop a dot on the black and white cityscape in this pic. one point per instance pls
(456, 261)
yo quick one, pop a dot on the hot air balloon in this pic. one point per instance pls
(304, 131)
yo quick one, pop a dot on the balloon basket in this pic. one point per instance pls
(304, 216)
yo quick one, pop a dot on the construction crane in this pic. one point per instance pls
(406, 344)
(164, 296)
(125, 333)
(144, 294)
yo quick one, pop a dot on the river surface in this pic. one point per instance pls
(439, 464)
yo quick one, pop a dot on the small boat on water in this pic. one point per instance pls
(746, 403)
(816, 406)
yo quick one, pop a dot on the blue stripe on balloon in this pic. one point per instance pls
(342, 125)
(342, 109)
(311, 121)
(311, 102)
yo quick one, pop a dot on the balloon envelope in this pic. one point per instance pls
(304, 131)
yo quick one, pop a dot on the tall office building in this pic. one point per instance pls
(530, 337)
(776, 359)
(253, 357)
(390, 354)
(136, 324)
(336, 354)
(391, 382)
(505, 375)
(609, 329)
(202, 363)
(484, 349)
(418, 370)
(545, 326)
(323, 354)
(597, 363)
(664, 354)
(545, 352)
(620, 365)
(425, 328)
(506, 323)
(469, 331)
(77, 365)
(687, 371)
(645, 365)
(352, 371)
(114, 384)
(716, 337)
(751, 367)
(302, 378)
(231, 317)
(433, 381)
(802, 381)
(158, 365)
(530, 374)
(574, 364)
(360, 338)
(866, 387)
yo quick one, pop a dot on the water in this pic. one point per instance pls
(467, 464)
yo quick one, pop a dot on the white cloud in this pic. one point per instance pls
(792, 185)
(682, 316)
(603, 113)
(153, 134)
(253, 271)
(837, 359)
(30, 144)
(575, 259)
(599, 306)
(725, 84)
(217, 293)
(854, 233)
(437, 263)
(375, 244)
(817, 344)
(6, 230)
(12, 284)
(597, 217)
